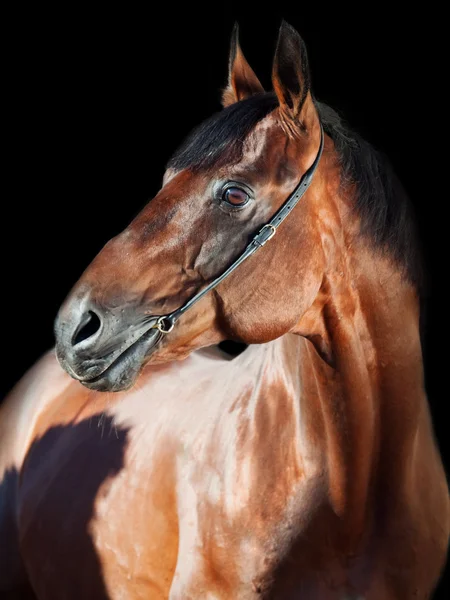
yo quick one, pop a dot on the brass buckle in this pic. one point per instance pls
(261, 234)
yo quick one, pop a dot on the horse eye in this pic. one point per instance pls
(235, 196)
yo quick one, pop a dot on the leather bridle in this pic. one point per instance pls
(165, 323)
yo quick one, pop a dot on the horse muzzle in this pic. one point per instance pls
(104, 349)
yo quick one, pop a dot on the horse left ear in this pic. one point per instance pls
(242, 81)
(291, 79)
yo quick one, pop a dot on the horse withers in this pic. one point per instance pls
(304, 467)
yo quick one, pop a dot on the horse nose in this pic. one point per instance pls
(84, 333)
(87, 330)
(79, 328)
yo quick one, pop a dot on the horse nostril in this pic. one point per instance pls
(89, 325)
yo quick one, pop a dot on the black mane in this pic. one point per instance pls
(385, 211)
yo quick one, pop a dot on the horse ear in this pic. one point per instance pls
(290, 77)
(242, 81)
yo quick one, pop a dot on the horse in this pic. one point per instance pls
(139, 459)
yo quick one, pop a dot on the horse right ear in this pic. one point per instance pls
(291, 79)
(242, 81)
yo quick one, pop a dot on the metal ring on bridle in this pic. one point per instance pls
(161, 322)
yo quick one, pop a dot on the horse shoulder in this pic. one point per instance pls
(95, 507)
(19, 414)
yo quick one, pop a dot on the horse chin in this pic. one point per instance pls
(123, 372)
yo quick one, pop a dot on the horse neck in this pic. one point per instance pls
(362, 369)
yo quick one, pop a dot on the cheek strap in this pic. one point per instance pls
(166, 323)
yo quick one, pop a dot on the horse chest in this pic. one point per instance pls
(174, 495)
(182, 540)
(204, 502)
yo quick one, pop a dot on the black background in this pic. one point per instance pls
(97, 101)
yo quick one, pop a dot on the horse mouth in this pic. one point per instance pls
(123, 371)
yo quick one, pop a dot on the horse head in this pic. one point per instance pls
(227, 180)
